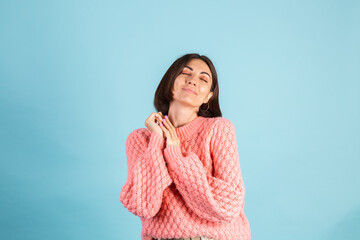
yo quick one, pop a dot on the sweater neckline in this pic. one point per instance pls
(189, 128)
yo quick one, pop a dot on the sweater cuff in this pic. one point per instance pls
(156, 140)
(172, 152)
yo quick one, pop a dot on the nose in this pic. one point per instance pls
(191, 80)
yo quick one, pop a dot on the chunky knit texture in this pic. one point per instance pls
(195, 189)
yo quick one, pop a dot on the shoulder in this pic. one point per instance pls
(139, 135)
(217, 123)
(221, 128)
(221, 131)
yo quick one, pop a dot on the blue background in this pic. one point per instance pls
(78, 76)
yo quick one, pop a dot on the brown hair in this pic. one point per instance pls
(163, 93)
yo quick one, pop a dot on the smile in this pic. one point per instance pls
(189, 90)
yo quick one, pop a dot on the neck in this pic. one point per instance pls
(181, 115)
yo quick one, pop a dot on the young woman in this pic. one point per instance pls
(184, 178)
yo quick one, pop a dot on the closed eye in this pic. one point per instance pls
(190, 74)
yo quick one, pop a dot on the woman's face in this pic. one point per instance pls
(193, 84)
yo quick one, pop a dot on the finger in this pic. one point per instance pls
(163, 121)
(170, 128)
(158, 118)
(160, 114)
(166, 132)
(169, 124)
(153, 116)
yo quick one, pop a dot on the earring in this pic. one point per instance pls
(207, 106)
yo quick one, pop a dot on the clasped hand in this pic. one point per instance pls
(161, 124)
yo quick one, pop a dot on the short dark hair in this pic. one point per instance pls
(163, 93)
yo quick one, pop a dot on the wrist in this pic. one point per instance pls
(172, 144)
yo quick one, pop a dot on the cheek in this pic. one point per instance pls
(204, 89)
(175, 88)
(177, 84)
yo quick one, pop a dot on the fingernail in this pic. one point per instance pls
(166, 116)
(161, 124)
(163, 119)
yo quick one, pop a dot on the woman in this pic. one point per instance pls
(184, 177)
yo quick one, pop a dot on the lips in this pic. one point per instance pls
(189, 90)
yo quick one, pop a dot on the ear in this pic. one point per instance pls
(209, 96)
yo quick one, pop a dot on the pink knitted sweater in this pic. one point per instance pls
(195, 189)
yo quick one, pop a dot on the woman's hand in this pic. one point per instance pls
(151, 123)
(169, 131)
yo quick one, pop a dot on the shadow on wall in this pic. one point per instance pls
(347, 228)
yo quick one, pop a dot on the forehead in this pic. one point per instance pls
(199, 65)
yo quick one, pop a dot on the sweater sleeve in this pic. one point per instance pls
(217, 198)
(147, 177)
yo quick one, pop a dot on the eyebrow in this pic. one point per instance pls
(200, 73)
